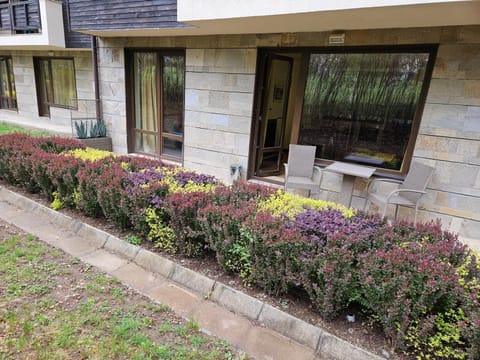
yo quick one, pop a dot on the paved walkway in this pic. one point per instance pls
(259, 329)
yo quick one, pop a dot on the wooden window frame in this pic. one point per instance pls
(11, 100)
(39, 80)
(130, 103)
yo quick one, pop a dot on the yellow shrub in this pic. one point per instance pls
(89, 154)
(467, 270)
(291, 205)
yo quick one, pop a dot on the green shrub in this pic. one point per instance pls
(438, 336)
(160, 234)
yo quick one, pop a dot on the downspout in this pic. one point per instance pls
(98, 110)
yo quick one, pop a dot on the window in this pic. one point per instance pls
(55, 79)
(156, 83)
(365, 106)
(8, 96)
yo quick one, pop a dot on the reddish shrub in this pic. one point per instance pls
(63, 172)
(87, 198)
(112, 195)
(275, 248)
(405, 283)
(182, 209)
(222, 227)
(57, 144)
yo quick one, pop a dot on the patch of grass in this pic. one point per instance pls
(134, 240)
(55, 307)
(6, 128)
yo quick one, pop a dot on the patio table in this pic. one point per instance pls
(350, 172)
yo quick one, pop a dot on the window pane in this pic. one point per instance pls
(361, 107)
(145, 84)
(44, 88)
(173, 93)
(172, 147)
(63, 79)
(7, 84)
(146, 143)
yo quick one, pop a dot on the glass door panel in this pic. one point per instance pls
(173, 79)
(157, 87)
(4, 88)
(273, 115)
(146, 102)
(45, 92)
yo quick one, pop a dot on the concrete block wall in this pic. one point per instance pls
(27, 114)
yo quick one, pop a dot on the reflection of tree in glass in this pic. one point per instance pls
(363, 100)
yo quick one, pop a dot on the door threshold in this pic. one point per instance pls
(277, 182)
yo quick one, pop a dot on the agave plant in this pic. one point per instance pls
(94, 131)
(82, 129)
(102, 128)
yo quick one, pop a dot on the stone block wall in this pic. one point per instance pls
(218, 109)
(27, 114)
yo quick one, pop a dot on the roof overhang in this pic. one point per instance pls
(213, 17)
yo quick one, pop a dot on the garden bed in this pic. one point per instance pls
(418, 284)
(361, 333)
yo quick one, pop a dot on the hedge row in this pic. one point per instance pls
(419, 283)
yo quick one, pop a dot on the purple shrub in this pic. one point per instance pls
(184, 176)
(330, 263)
(145, 189)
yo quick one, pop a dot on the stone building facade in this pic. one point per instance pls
(220, 74)
(220, 93)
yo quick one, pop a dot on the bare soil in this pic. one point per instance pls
(361, 332)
